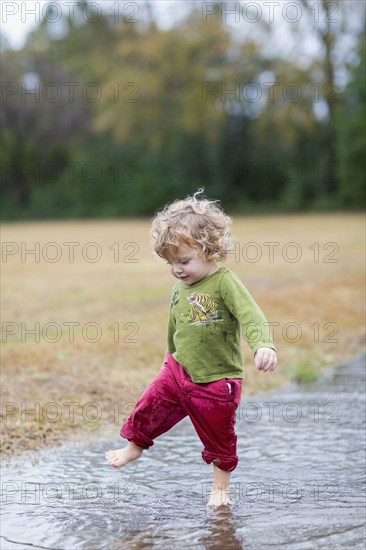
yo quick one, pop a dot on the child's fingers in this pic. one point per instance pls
(272, 364)
(266, 360)
(271, 361)
(261, 359)
(258, 359)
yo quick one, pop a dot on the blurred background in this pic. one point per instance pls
(113, 108)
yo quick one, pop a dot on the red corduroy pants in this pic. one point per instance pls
(172, 396)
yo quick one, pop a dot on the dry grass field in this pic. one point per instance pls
(84, 315)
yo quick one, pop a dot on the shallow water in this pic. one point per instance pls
(299, 484)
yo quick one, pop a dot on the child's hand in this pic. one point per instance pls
(265, 359)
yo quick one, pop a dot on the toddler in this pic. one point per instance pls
(202, 372)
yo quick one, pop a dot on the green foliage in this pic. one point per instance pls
(352, 137)
(306, 369)
(173, 111)
(304, 373)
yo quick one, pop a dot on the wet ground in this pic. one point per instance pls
(299, 485)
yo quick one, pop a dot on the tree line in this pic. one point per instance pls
(113, 118)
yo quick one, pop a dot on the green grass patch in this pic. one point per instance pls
(306, 370)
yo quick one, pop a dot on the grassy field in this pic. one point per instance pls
(84, 315)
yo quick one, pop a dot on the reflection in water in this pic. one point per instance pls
(299, 483)
(222, 531)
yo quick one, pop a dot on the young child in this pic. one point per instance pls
(202, 372)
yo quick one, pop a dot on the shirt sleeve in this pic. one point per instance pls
(243, 307)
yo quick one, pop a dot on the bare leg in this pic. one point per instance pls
(220, 488)
(121, 457)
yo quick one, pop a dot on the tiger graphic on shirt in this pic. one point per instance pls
(203, 309)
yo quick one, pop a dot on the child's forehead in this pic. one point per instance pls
(182, 251)
(185, 250)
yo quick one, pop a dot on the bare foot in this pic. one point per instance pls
(220, 488)
(121, 457)
(219, 498)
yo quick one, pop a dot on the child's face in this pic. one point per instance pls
(188, 267)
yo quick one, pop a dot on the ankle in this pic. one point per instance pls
(220, 487)
(133, 448)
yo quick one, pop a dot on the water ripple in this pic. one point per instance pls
(299, 485)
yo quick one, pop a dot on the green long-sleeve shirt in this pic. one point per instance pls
(205, 322)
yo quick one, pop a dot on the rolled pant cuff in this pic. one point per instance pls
(223, 462)
(136, 437)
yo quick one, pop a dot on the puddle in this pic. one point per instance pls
(299, 484)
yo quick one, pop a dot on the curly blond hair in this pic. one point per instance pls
(198, 223)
